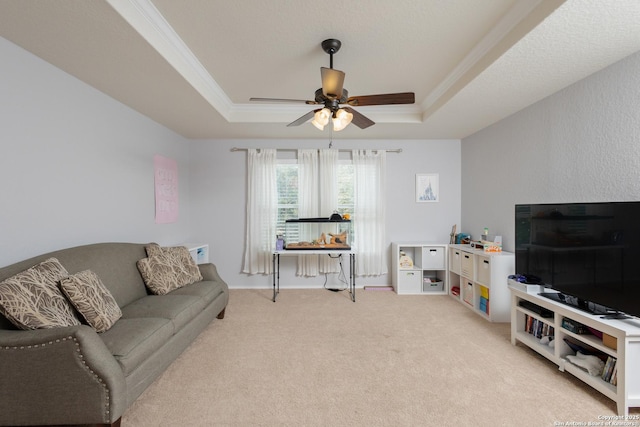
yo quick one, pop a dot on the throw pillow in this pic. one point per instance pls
(179, 258)
(167, 269)
(31, 299)
(92, 299)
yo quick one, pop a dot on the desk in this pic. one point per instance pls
(352, 267)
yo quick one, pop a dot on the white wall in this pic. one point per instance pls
(581, 144)
(218, 190)
(76, 166)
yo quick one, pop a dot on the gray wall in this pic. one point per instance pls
(76, 166)
(218, 189)
(581, 144)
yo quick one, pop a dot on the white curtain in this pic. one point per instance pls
(328, 198)
(262, 211)
(308, 206)
(369, 216)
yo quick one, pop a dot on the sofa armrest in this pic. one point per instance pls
(210, 272)
(59, 376)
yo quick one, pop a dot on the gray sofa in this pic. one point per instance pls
(74, 375)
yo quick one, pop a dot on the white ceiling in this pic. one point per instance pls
(192, 65)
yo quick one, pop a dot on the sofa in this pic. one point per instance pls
(80, 371)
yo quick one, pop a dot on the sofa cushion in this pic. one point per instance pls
(92, 299)
(132, 341)
(179, 309)
(206, 289)
(31, 299)
(168, 268)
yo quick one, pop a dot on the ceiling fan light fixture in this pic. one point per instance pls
(332, 82)
(321, 118)
(341, 119)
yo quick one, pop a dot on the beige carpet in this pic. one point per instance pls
(314, 358)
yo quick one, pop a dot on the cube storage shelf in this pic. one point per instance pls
(428, 272)
(199, 252)
(620, 343)
(478, 279)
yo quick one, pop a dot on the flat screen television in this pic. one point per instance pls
(589, 252)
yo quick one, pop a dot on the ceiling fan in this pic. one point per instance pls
(331, 95)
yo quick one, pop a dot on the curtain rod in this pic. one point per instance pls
(395, 150)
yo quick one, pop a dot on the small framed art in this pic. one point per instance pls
(427, 187)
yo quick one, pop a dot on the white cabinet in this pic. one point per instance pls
(478, 279)
(425, 273)
(619, 343)
(409, 282)
(199, 252)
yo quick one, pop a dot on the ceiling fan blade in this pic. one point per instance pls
(384, 99)
(296, 101)
(359, 120)
(302, 119)
(332, 81)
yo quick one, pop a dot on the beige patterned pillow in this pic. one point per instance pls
(180, 258)
(92, 299)
(31, 299)
(167, 269)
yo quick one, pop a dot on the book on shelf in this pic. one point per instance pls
(614, 376)
(537, 328)
(575, 327)
(610, 370)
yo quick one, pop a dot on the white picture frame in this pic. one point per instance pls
(427, 187)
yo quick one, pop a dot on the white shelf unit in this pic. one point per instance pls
(428, 274)
(199, 252)
(481, 280)
(626, 392)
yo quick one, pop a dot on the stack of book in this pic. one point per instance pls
(537, 328)
(484, 299)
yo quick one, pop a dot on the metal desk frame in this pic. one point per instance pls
(352, 267)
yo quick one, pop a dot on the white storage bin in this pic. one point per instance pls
(466, 265)
(454, 260)
(432, 258)
(410, 281)
(483, 274)
(432, 284)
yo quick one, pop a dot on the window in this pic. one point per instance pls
(287, 176)
(274, 195)
(346, 186)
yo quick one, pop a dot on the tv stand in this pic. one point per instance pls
(620, 343)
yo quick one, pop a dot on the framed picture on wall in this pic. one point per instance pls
(427, 188)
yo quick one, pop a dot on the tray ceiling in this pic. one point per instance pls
(192, 65)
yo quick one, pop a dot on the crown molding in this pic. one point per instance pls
(147, 20)
(442, 93)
